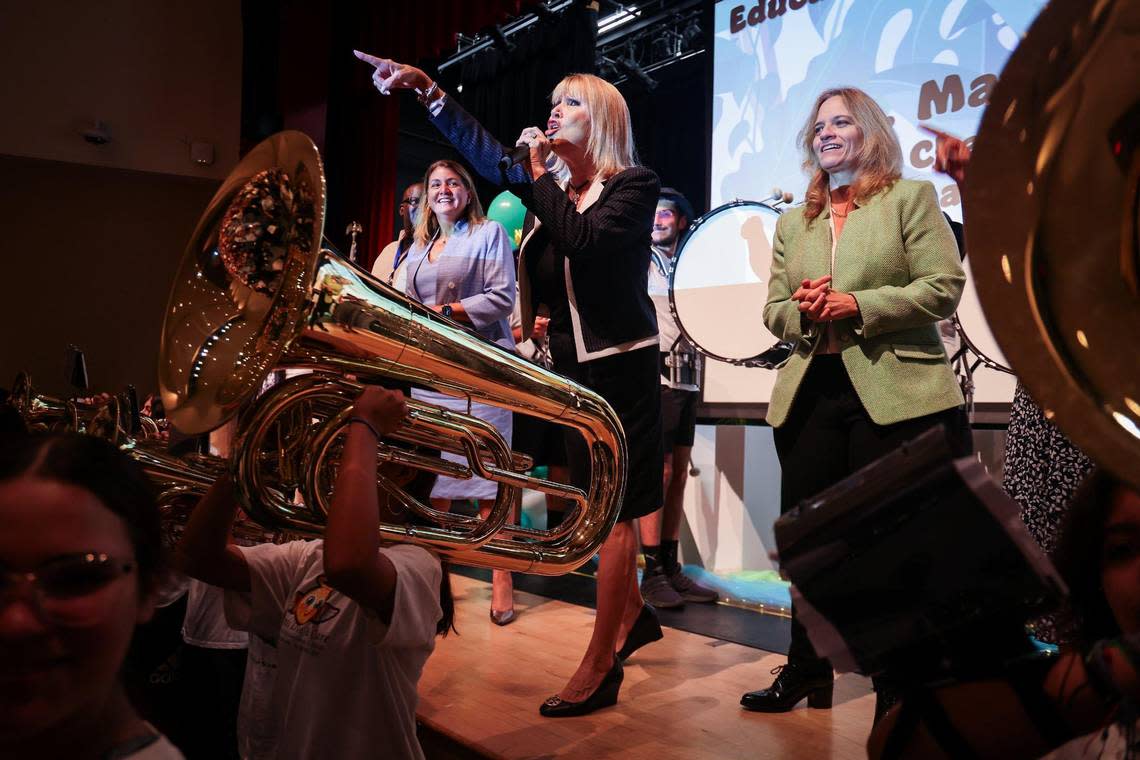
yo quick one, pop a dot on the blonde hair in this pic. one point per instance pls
(610, 145)
(428, 226)
(879, 159)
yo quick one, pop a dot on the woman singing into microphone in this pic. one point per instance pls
(585, 256)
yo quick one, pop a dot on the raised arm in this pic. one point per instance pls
(354, 564)
(460, 128)
(478, 146)
(205, 551)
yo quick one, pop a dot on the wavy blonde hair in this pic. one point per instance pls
(427, 225)
(610, 145)
(879, 159)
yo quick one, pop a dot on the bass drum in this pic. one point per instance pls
(720, 274)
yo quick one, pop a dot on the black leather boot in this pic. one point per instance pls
(793, 683)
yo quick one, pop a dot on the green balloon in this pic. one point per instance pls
(510, 212)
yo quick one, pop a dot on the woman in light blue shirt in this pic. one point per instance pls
(461, 265)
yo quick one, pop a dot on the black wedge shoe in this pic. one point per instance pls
(645, 630)
(604, 696)
(793, 683)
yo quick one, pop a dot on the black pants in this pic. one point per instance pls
(827, 436)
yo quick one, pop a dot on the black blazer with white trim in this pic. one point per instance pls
(605, 246)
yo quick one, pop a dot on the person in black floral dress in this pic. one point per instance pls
(1042, 471)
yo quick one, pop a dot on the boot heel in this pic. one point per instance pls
(821, 698)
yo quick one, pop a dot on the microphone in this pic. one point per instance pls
(514, 156)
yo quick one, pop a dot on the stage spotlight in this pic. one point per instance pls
(606, 69)
(500, 40)
(544, 12)
(631, 69)
(662, 47)
(691, 33)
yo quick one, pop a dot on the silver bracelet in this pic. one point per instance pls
(366, 424)
(425, 95)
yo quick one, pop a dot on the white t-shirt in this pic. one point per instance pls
(383, 266)
(345, 684)
(205, 623)
(255, 729)
(155, 747)
(660, 265)
(1107, 744)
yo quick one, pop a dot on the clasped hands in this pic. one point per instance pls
(819, 303)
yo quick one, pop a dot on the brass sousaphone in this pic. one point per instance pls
(1051, 220)
(256, 292)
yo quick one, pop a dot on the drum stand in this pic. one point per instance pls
(773, 358)
(965, 361)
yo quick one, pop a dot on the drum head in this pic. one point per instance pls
(720, 281)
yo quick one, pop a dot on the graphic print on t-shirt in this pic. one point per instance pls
(312, 605)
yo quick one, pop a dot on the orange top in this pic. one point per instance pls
(841, 206)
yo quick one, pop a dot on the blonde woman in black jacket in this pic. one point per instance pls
(585, 257)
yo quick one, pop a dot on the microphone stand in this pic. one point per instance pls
(352, 231)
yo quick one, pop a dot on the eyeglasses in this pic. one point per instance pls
(410, 201)
(66, 588)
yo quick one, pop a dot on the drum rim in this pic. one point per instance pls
(673, 275)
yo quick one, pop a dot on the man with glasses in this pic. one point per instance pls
(388, 264)
(664, 583)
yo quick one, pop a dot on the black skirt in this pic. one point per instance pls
(629, 381)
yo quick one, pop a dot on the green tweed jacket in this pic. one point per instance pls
(898, 257)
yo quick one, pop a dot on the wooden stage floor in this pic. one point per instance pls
(680, 698)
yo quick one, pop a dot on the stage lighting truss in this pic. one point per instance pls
(634, 39)
(661, 37)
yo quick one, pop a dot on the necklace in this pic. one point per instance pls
(846, 210)
(575, 191)
(431, 245)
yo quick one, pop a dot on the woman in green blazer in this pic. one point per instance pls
(861, 275)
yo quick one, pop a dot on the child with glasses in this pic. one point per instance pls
(79, 557)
